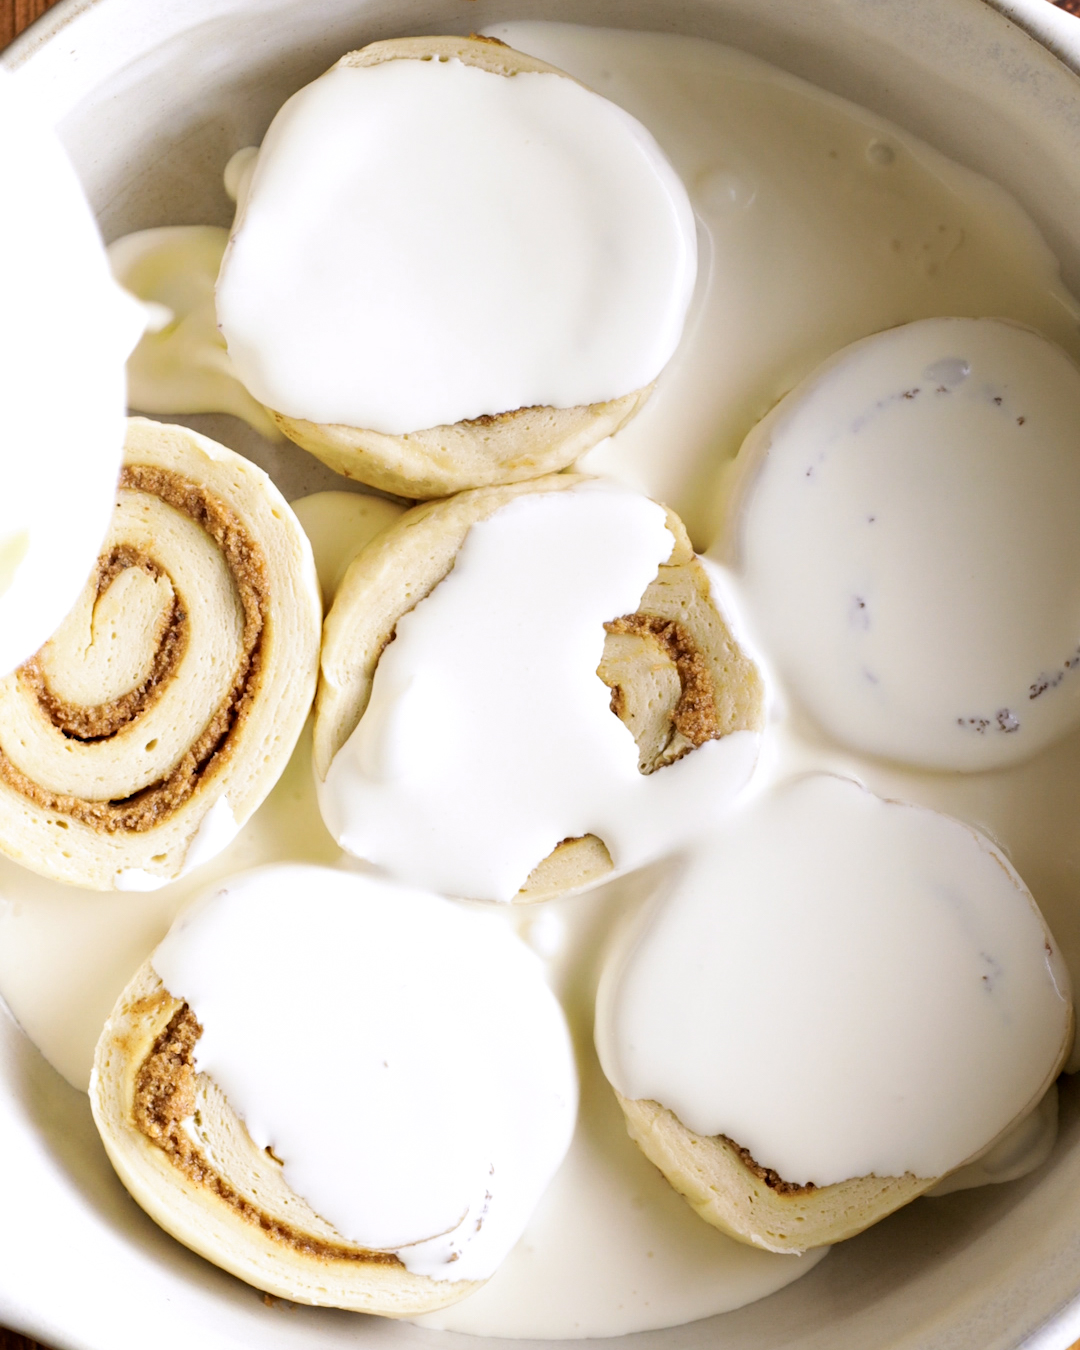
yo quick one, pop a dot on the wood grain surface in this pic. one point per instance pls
(15, 15)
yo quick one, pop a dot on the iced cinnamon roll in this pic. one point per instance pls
(147, 730)
(834, 1002)
(376, 1140)
(452, 266)
(526, 687)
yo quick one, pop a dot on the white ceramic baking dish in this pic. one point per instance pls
(151, 96)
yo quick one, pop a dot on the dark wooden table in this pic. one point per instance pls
(15, 15)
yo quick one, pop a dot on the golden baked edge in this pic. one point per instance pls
(205, 1182)
(729, 1189)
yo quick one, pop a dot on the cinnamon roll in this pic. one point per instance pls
(147, 730)
(478, 753)
(453, 266)
(835, 1002)
(325, 1146)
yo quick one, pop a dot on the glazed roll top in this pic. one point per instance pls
(526, 686)
(555, 271)
(903, 529)
(885, 960)
(453, 207)
(154, 721)
(378, 1138)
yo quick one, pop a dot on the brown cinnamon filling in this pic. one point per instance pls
(773, 1180)
(695, 713)
(149, 807)
(165, 1096)
(103, 720)
(490, 419)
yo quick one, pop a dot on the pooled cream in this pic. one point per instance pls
(180, 365)
(417, 1081)
(904, 535)
(339, 525)
(513, 241)
(489, 736)
(885, 961)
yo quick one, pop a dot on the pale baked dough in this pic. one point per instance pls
(505, 447)
(725, 1185)
(179, 682)
(187, 1159)
(677, 675)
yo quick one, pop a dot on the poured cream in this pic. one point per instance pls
(181, 364)
(612, 1248)
(339, 525)
(904, 534)
(821, 223)
(886, 959)
(489, 736)
(417, 1082)
(514, 241)
(65, 332)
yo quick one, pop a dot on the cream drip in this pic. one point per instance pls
(1024, 1148)
(885, 961)
(417, 1082)
(903, 532)
(518, 240)
(181, 364)
(238, 171)
(489, 737)
(65, 333)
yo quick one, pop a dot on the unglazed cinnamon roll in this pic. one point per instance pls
(463, 739)
(147, 730)
(503, 267)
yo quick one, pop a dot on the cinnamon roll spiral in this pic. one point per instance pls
(147, 730)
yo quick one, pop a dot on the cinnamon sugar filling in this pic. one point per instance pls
(164, 1098)
(149, 807)
(773, 1180)
(694, 716)
(103, 720)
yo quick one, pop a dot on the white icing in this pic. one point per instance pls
(518, 240)
(181, 364)
(339, 525)
(489, 737)
(886, 961)
(417, 1082)
(65, 331)
(217, 830)
(905, 543)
